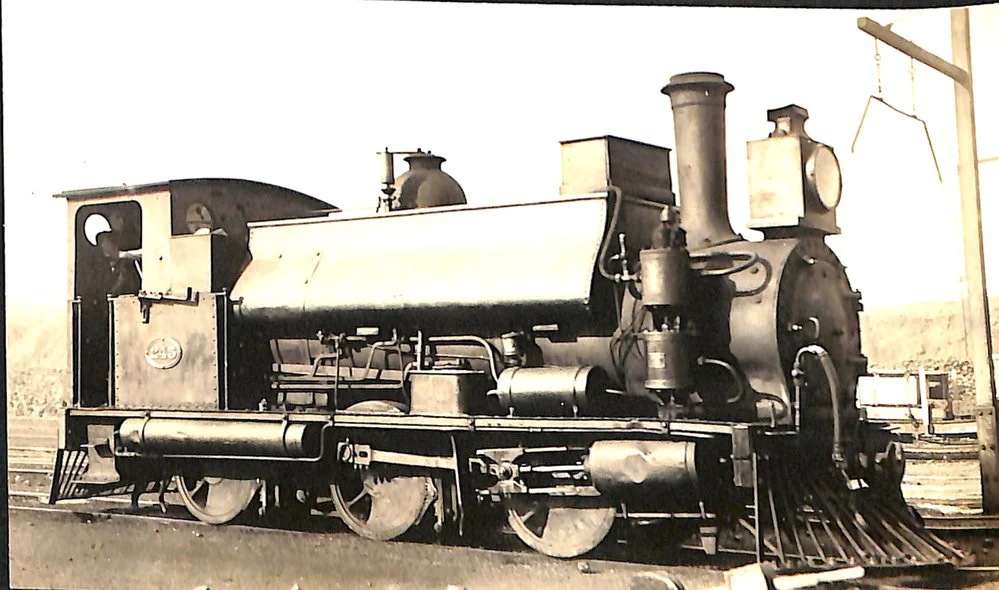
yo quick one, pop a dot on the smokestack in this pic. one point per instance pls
(699, 119)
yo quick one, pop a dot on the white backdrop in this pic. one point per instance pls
(104, 93)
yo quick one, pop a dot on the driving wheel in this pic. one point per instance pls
(216, 500)
(374, 502)
(559, 527)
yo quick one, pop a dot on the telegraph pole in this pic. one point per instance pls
(971, 222)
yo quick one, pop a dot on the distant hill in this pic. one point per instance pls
(920, 332)
(36, 350)
(928, 335)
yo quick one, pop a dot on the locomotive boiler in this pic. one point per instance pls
(604, 357)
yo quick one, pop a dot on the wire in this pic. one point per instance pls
(751, 258)
(621, 345)
(832, 379)
(740, 388)
(908, 14)
(602, 256)
(777, 399)
(877, 64)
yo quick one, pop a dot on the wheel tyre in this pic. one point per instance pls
(216, 500)
(387, 506)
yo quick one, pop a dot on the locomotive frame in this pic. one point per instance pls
(223, 339)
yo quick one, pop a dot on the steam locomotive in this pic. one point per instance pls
(600, 358)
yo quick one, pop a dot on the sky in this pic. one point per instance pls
(304, 94)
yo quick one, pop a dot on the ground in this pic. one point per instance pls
(63, 550)
(66, 549)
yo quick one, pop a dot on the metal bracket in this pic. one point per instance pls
(146, 300)
(355, 454)
(742, 457)
(499, 463)
(189, 296)
(988, 457)
(363, 456)
(458, 491)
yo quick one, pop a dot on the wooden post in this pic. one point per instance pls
(924, 400)
(974, 261)
(971, 218)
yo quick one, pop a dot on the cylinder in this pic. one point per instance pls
(619, 466)
(510, 343)
(550, 391)
(699, 121)
(388, 167)
(664, 276)
(165, 436)
(668, 359)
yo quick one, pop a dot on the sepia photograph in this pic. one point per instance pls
(458, 295)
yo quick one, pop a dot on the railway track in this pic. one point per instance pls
(31, 444)
(31, 452)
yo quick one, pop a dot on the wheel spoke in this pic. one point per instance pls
(200, 492)
(217, 500)
(358, 497)
(557, 530)
(395, 503)
(198, 486)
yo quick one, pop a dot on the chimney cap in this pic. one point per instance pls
(692, 80)
(789, 120)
